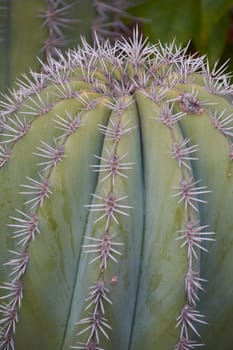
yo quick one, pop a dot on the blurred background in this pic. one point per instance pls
(34, 28)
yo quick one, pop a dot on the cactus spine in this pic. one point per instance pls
(116, 177)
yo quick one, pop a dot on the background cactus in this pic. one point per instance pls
(55, 24)
(52, 25)
(116, 178)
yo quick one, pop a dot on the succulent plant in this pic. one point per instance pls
(116, 179)
(55, 24)
(52, 25)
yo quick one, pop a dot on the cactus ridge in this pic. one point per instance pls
(119, 93)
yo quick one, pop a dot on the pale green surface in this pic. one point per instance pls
(215, 169)
(129, 231)
(163, 263)
(55, 252)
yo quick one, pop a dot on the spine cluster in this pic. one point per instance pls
(56, 18)
(192, 237)
(110, 19)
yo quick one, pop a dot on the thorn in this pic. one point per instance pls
(110, 207)
(189, 193)
(167, 116)
(193, 237)
(182, 153)
(26, 227)
(113, 166)
(106, 249)
(223, 123)
(38, 189)
(52, 154)
(186, 318)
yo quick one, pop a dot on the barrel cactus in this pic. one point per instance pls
(116, 179)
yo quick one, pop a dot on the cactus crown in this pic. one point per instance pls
(137, 110)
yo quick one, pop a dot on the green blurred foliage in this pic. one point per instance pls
(207, 23)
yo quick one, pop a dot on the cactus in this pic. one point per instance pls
(116, 196)
(52, 25)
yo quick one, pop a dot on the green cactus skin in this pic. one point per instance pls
(116, 179)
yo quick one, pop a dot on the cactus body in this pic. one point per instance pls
(116, 178)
